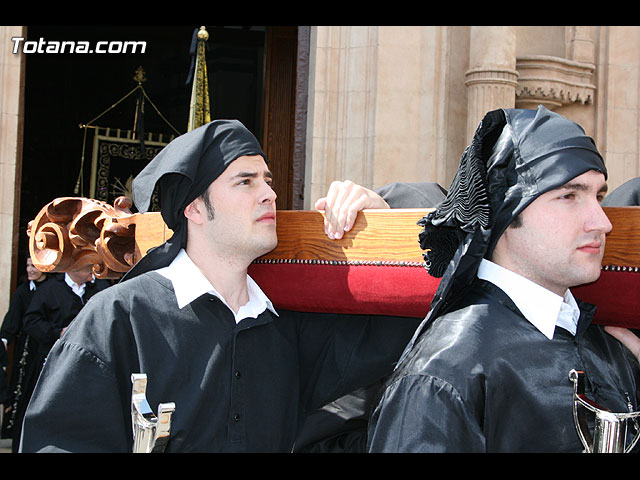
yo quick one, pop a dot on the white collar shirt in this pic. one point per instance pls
(77, 289)
(541, 307)
(190, 283)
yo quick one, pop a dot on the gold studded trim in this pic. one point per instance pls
(619, 268)
(378, 263)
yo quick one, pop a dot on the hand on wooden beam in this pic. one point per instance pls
(341, 206)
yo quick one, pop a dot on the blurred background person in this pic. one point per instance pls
(13, 336)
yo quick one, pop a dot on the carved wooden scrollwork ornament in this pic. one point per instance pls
(70, 233)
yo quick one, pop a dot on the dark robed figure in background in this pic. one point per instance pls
(53, 307)
(488, 369)
(241, 374)
(13, 335)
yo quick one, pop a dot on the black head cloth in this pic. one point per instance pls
(183, 171)
(626, 195)
(412, 194)
(515, 156)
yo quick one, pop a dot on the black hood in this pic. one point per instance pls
(515, 156)
(183, 171)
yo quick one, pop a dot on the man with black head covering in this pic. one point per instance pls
(187, 315)
(626, 195)
(488, 369)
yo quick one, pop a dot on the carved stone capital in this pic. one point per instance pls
(491, 76)
(553, 82)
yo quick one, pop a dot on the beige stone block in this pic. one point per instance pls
(621, 167)
(10, 89)
(320, 36)
(318, 80)
(6, 237)
(623, 134)
(396, 162)
(362, 36)
(357, 65)
(624, 42)
(406, 37)
(399, 68)
(357, 108)
(7, 188)
(8, 138)
(621, 78)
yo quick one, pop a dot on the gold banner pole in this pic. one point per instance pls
(199, 113)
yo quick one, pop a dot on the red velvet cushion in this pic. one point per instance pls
(617, 296)
(407, 290)
(404, 291)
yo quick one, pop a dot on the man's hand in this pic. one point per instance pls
(627, 338)
(342, 204)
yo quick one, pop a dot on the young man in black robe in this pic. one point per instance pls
(187, 315)
(488, 370)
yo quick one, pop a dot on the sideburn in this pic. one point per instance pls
(208, 205)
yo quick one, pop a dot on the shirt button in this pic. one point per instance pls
(236, 417)
(237, 374)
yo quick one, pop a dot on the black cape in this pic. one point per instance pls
(237, 387)
(483, 379)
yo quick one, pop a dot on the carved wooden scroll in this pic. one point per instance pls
(70, 233)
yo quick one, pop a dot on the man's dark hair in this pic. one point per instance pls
(208, 205)
(517, 221)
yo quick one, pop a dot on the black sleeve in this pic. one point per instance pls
(40, 319)
(12, 323)
(79, 403)
(4, 385)
(341, 353)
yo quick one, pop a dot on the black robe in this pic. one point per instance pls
(483, 379)
(53, 307)
(13, 330)
(237, 387)
(4, 384)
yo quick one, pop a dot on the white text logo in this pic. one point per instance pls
(71, 46)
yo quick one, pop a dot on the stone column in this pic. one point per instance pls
(342, 103)
(492, 77)
(11, 118)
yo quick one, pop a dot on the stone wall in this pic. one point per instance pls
(10, 146)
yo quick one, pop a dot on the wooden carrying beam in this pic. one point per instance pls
(376, 268)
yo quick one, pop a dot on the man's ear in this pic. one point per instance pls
(195, 211)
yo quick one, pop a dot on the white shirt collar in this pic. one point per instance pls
(189, 283)
(77, 289)
(543, 308)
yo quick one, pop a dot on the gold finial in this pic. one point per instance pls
(203, 34)
(140, 76)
